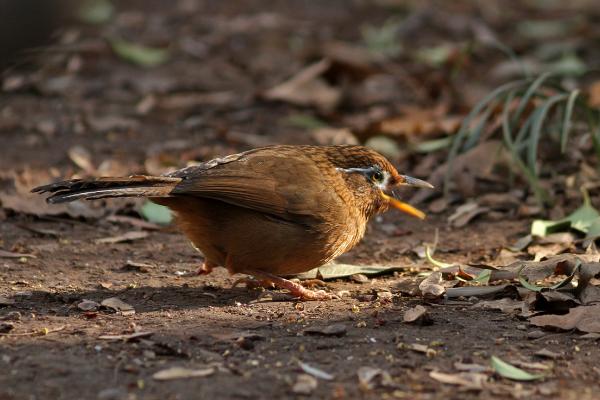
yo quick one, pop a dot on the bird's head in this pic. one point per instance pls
(374, 180)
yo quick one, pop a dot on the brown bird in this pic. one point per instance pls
(268, 212)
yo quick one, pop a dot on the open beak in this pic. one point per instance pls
(404, 180)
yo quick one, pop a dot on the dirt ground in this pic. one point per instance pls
(251, 344)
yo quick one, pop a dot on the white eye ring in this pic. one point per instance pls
(378, 176)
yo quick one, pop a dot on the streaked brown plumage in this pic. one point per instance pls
(267, 212)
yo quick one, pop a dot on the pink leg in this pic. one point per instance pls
(294, 288)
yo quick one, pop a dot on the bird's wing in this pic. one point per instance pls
(279, 181)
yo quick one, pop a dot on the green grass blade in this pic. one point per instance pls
(566, 126)
(531, 90)
(536, 129)
(520, 139)
(593, 118)
(473, 138)
(464, 128)
(430, 146)
(540, 195)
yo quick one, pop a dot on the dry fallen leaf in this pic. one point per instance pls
(12, 254)
(419, 348)
(237, 335)
(88, 305)
(182, 373)
(126, 337)
(470, 380)
(338, 330)
(466, 213)
(420, 121)
(506, 305)
(370, 377)
(583, 318)
(137, 266)
(36, 205)
(417, 314)
(470, 367)
(126, 237)
(545, 353)
(118, 305)
(307, 88)
(305, 384)
(316, 372)
(83, 159)
(431, 287)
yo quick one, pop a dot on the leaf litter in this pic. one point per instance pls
(390, 40)
(575, 292)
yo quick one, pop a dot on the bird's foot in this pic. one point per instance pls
(206, 268)
(311, 283)
(253, 283)
(295, 289)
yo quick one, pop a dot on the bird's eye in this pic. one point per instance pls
(377, 176)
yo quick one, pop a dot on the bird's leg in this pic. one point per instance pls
(295, 288)
(206, 268)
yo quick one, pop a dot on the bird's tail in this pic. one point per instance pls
(89, 189)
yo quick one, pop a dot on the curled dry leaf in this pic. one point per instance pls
(182, 373)
(419, 348)
(316, 372)
(465, 214)
(431, 287)
(545, 353)
(305, 384)
(370, 377)
(521, 244)
(118, 305)
(470, 380)
(88, 305)
(418, 314)
(82, 158)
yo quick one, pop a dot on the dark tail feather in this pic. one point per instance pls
(133, 186)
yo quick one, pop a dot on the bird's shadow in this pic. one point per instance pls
(143, 299)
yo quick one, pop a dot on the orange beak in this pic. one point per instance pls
(404, 180)
(404, 207)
